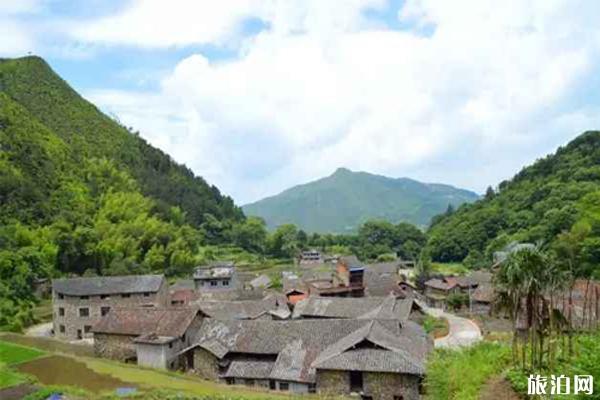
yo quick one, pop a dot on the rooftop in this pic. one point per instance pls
(108, 285)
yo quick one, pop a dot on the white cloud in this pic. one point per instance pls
(321, 89)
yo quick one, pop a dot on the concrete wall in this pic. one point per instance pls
(72, 321)
(220, 284)
(115, 347)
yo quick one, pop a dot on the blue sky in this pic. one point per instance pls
(260, 95)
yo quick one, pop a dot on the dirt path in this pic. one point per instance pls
(40, 330)
(498, 388)
(463, 331)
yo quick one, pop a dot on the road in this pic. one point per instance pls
(462, 331)
(40, 330)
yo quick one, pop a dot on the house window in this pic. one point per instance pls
(87, 328)
(84, 297)
(398, 397)
(356, 381)
(125, 295)
(225, 283)
(272, 385)
(104, 296)
(104, 310)
(312, 388)
(84, 312)
(171, 345)
(183, 337)
(61, 312)
(61, 296)
(249, 382)
(229, 381)
(284, 386)
(213, 283)
(61, 328)
(146, 294)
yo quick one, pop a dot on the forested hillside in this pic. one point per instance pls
(81, 194)
(343, 201)
(559, 193)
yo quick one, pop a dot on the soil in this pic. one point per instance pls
(17, 392)
(498, 388)
(59, 370)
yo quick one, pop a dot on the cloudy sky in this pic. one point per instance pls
(259, 95)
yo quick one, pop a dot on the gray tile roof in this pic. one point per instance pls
(262, 281)
(242, 309)
(373, 360)
(108, 285)
(297, 344)
(387, 307)
(144, 321)
(249, 369)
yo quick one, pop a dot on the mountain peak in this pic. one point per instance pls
(342, 171)
(344, 200)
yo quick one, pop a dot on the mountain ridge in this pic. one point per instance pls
(395, 200)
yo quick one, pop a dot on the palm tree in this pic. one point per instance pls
(523, 280)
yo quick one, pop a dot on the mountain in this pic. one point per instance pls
(343, 201)
(59, 130)
(536, 205)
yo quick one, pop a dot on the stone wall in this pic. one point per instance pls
(333, 382)
(387, 386)
(76, 326)
(205, 364)
(115, 347)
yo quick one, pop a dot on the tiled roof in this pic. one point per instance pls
(138, 321)
(387, 307)
(484, 293)
(242, 309)
(297, 344)
(108, 285)
(373, 360)
(261, 281)
(249, 369)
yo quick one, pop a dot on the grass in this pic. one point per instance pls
(460, 374)
(43, 311)
(449, 268)
(436, 327)
(11, 353)
(9, 378)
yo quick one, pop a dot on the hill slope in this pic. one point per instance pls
(346, 199)
(88, 133)
(540, 202)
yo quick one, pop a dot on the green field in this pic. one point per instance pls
(14, 354)
(449, 268)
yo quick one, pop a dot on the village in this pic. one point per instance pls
(336, 326)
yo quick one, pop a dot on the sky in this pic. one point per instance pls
(259, 95)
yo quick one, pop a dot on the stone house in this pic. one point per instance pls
(151, 337)
(79, 303)
(376, 359)
(216, 276)
(437, 290)
(346, 281)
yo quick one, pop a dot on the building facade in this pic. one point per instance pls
(79, 303)
(216, 276)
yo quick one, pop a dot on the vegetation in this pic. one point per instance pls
(460, 374)
(13, 353)
(539, 203)
(436, 327)
(341, 202)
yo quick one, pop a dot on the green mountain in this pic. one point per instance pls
(343, 201)
(536, 205)
(81, 194)
(63, 130)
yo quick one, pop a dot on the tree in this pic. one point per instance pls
(251, 235)
(283, 242)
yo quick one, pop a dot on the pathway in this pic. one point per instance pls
(462, 332)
